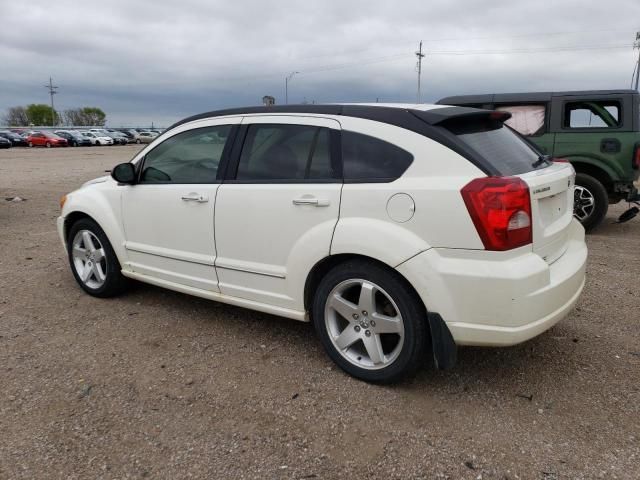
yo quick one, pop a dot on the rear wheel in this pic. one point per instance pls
(48, 145)
(590, 201)
(30, 144)
(93, 262)
(370, 321)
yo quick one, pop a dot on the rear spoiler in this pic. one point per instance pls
(437, 116)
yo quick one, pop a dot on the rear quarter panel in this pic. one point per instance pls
(433, 181)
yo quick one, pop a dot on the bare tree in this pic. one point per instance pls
(16, 117)
(73, 116)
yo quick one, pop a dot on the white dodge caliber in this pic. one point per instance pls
(395, 229)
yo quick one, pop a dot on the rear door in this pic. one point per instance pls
(596, 130)
(277, 210)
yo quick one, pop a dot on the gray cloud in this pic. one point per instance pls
(159, 61)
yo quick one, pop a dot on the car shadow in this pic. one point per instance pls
(514, 369)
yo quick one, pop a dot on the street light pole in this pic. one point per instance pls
(286, 87)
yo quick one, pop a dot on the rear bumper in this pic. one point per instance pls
(499, 298)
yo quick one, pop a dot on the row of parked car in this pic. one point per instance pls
(74, 138)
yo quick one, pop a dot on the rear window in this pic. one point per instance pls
(504, 149)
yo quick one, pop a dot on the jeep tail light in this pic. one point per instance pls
(500, 208)
(636, 157)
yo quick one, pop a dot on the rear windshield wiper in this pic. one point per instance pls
(542, 159)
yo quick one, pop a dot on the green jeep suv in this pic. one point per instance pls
(597, 131)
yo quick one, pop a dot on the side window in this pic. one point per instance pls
(592, 114)
(188, 157)
(285, 152)
(368, 158)
(527, 120)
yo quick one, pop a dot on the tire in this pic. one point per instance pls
(30, 145)
(48, 145)
(589, 189)
(74, 144)
(138, 141)
(87, 244)
(402, 351)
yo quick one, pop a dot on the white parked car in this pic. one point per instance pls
(395, 229)
(97, 138)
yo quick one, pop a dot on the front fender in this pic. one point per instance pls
(388, 242)
(102, 204)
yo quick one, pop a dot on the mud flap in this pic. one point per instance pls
(445, 351)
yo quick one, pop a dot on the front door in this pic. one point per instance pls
(168, 214)
(275, 216)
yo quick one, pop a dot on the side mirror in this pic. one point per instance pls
(124, 173)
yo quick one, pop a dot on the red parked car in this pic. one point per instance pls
(46, 139)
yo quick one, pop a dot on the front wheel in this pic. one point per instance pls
(48, 145)
(590, 201)
(93, 262)
(370, 321)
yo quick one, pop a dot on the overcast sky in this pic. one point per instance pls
(151, 61)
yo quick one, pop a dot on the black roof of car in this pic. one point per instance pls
(527, 96)
(400, 115)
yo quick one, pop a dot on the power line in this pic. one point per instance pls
(586, 30)
(530, 50)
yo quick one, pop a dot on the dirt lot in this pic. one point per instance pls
(161, 385)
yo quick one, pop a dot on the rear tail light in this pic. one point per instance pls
(500, 208)
(636, 157)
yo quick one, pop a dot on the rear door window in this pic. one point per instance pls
(592, 114)
(285, 152)
(500, 146)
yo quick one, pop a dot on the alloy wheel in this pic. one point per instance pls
(89, 259)
(583, 203)
(364, 324)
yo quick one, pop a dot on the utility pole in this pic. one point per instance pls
(420, 56)
(637, 45)
(286, 87)
(52, 91)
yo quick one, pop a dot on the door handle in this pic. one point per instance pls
(316, 202)
(195, 197)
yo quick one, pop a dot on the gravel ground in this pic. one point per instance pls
(162, 385)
